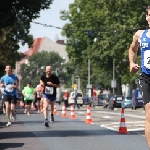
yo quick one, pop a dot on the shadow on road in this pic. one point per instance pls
(4, 146)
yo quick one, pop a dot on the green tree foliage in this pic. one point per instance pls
(112, 23)
(15, 16)
(32, 71)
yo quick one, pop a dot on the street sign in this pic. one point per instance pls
(90, 32)
(89, 86)
(74, 86)
(113, 83)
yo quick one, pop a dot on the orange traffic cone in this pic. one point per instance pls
(122, 128)
(88, 116)
(72, 114)
(63, 114)
(55, 111)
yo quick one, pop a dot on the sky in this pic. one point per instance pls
(49, 17)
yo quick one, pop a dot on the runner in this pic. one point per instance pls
(39, 95)
(142, 39)
(50, 82)
(28, 93)
(10, 84)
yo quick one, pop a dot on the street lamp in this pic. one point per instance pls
(113, 82)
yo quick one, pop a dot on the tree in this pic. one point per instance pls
(32, 71)
(15, 25)
(113, 26)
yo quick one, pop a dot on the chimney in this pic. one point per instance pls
(60, 42)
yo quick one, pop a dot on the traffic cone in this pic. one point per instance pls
(55, 111)
(88, 116)
(72, 114)
(122, 128)
(63, 114)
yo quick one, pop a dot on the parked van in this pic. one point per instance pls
(58, 96)
(79, 98)
(137, 100)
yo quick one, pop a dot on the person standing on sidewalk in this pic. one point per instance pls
(75, 96)
(50, 83)
(142, 38)
(28, 93)
(65, 97)
(10, 84)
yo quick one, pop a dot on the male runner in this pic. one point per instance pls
(50, 82)
(10, 84)
(28, 93)
(142, 38)
(39, 95)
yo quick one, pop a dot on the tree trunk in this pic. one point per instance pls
(119, 88)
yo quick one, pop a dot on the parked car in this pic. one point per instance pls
(100, 99)
(79, 98)
(86, 99)
(107, 99)
(115, 101)
(137, 101)
(127, 102)
(58, 96)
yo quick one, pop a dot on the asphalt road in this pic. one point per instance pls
(28, 133)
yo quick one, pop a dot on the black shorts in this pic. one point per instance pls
(10, 99)
(38, 99)
(144, 87)
(28, 102)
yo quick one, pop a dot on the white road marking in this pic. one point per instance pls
(81, 112)
(106, 117)
(110, 128)
(129, 115)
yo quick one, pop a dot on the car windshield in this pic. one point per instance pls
(128, 98)
(101, 96)
(78, 94)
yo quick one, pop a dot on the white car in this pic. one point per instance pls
(58, 96)
(79, 98)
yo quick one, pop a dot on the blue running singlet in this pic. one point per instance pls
(8, 81)
(145, 53)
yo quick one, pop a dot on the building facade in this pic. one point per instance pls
(39, 45)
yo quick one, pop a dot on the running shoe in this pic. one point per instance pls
(8, 124)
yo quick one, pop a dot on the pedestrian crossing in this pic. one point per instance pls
(110, 119)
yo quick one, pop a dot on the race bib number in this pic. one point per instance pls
(30, 96)
(49, 90)
(9, 88)
(147, 59)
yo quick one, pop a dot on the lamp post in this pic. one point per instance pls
(113, 82)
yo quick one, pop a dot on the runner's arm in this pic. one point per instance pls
(41, 82)
(56, 85)
(2, 82)
(16, 84)
(134, 47)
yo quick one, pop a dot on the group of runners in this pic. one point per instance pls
(50, 82)
(43, 95)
